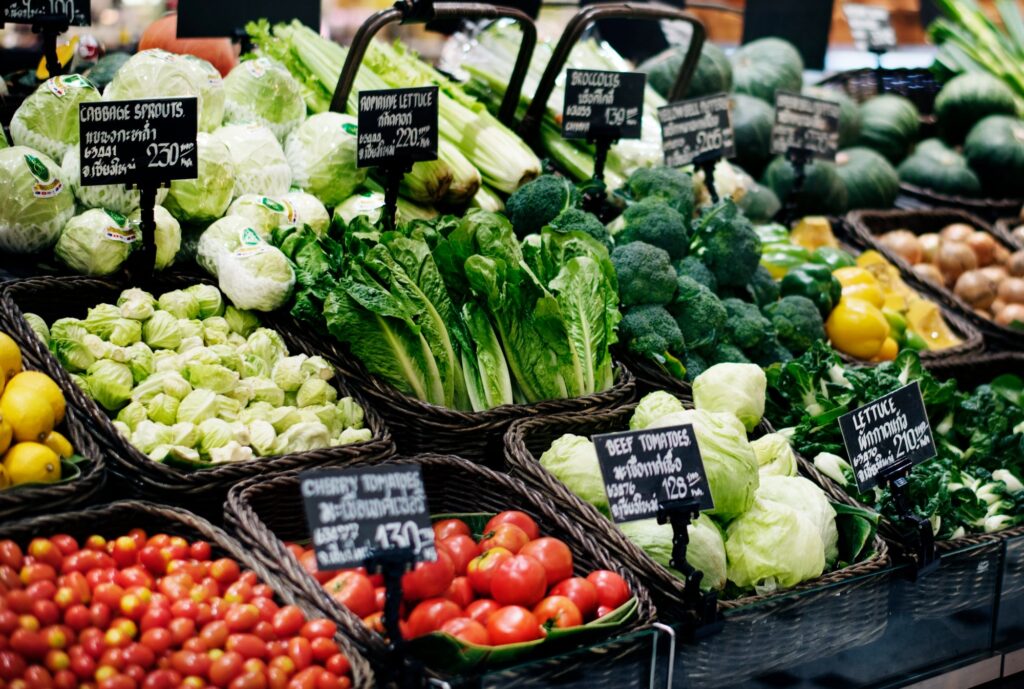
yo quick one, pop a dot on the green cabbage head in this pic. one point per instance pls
(263, 92)
(35, 204)
(775, 456)
(257, 159)
(735, 388)
(705, 551)
(322, 155)
(652, 407)
(208, 196)
(48, 119)
(157, 73)
(802, 495)
(97, 242)
(572, 459)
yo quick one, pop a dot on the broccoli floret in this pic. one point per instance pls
(693, 267)
(698, 312)
(727, 244)
(665, 183)
(645, 274)
(745, 327)
(725, 353)
(578, 220)
(650, 331)
(763, 288)
(537, 203)
(657, 223)
(695, 365)
(797, 322)
(769, 351)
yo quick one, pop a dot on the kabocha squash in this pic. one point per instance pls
(935, 166)
(995, 151)
(889, 124)
(849, 112)
(762, 67)
(870, 181)
(752, 121)
(713, 73)
(760, 203)
(102, 73)
(823, 192)
(968, 99)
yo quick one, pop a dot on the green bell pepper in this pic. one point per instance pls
(833, 258)
(781, 258)
(816, 283)
(773, 233)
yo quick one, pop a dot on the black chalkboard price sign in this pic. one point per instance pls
(74, 12)
(138, 142)
(206, 19)
(603, 105)
(397, 126)
(871, 27)
(643, 470)
(892, 430)
(805, 124)
(697, 128)
(356, 515)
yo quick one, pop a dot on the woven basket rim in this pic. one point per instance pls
(1004, 228)
(157, 474)
(954, 201)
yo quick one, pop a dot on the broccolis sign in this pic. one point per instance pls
(600, 104)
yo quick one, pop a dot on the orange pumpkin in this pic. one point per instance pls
(163, 34)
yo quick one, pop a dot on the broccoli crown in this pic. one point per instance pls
(645, 274)
(657, 223)
(698, 312)
(745, 327)
(650, 331)
(726, 353)
(727, 244)
(769, 351)
(797, 322)
(695, 365)
(577, 220)
(537, 203)
(763, 288)
(665, 183)
(693, 267)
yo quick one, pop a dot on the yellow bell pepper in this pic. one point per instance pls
(889, 350)
(855, 276)
(813, 232)
(857, 328)
(869, 293)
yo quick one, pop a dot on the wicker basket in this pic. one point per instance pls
(1004, 227)
(417, 426)
(989, 209)
(916, 84)
(54, 298)
(266, 512)
(37, 498)
(870, 224)
(116, 518)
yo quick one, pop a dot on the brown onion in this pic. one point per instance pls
(984, 247)
(994, 273)
(1002, 254)
(1011, 290)
(975, 289)
(1015, 264)
(957, 232)
(929, 273)
(1009, 314)
(955, 259)
(929, 246)
(904, 244)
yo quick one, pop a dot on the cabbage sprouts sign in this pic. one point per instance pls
(643, 469)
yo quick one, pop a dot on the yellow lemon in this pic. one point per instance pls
(40, 385)
(5, 480)
(30, 416)
(6, 435)
(10, 358)
(32, 463)
(59, 444)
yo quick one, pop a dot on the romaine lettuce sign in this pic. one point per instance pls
(644, 469)
(77, 12)
(397, 126)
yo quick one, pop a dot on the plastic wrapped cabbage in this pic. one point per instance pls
(652, 407)
(308, 211)
(263, 92)
(208, 196)
(738, 389)
(48, 119)
(258, 160)
(222, 237)
(368, 203)
(253, 274)
(114, 197)
(97, 242)
(572, 459)
(322, 155)
(35, 204)
(157, 73)
(264, 214)
(168, 235)
(211, 91)
(705, 551)
(775, 456)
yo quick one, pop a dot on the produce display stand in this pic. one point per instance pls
(204, 489)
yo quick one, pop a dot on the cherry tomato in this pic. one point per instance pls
(191, 663)
(139, 654)
(249, 680)
(12, 665)
(83, 666)
(429, 615)
(520, 519)
(200, 550)
(319, 628)
(462, 549)
(354, 591)
(467, 630)
(308, 562)
(154, 559)
(108, 594)
(554, 555)
(428, 579)
(375, 622)
(288, 621)
(242, 618)
(28, 643)
(306, 679)
(460, 592)
(267, 607)
(46, 611)
(338, 664)
(38, 677)
(248, 645)
(507, 536)
(481, 569)
(157, 640)
(612, 589)
(519, 580)
(447, 528)
(380, 597)
(44, 551)
(226, 668)
(64, 679)
(155, 617)
(579, 591)
(300, 650)
(11, 555)
(513, 624)
(139, 536)
(38, 571)
(125, 551)
(560, 610)
(182, 629)
(323, 649)
(135, 576)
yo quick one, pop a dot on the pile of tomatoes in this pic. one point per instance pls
(151, 612)
(509, 587)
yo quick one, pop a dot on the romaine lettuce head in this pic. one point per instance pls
(34, 203)
(705, 551)
(257, 158)
(211, 90)
(322, 155)
(48, 119)
(115, 197)
(728, 458)
(772, 546)
(735, 388)
(308, 211)
(802, 495)
(572, 459)
(97, 242)
(263, 92)
(168, 235)
(157, 73)
(208, 196)
(110, 384)
(775, 456)
(652, 407)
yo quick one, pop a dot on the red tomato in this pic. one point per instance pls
(520, 519)
(554, 555)
(323, 649)
(612, 590)
(12, 665)
(513, 624)
(38, 571)
(462, 549)
(579, 591)
(200, 550)
(108, 594)
(125, 551)
(37, 677)
(468, 630)
(154, 559)
(242, 618)
(428, 579)
(301, 652)
(46, 611)
(460, 592)
(190, 663)
(138, 654)
(247, 645)
(315, 629)
(306, 679)
(308, 561)
(45, 551)
(182, 629)
(134, 576)
(519, 580)
(338, 664)
(481, 569)
(65, 543)
(429, 615)
(11, 555)
(560, 610)
(507, 536)
(447, 528)
(96, 542)
(354, 591)
(267, 607)
(155, 617)
(482, 609)
(225, 571)
(226, 668)
(375, 622)
(65, 679)
(380, 597)
(288, 621)
(28, 643)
